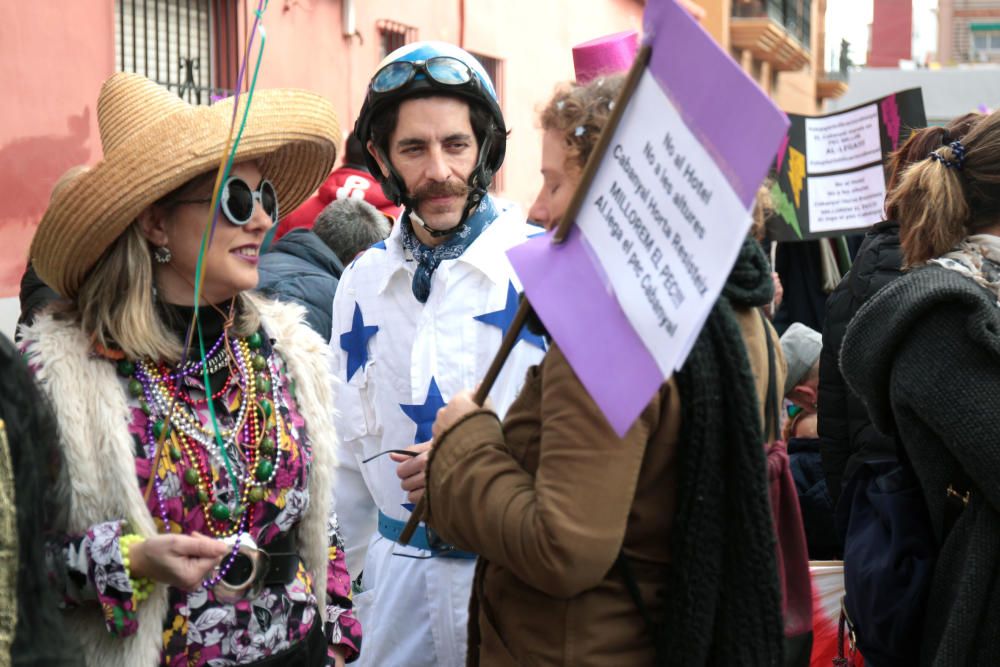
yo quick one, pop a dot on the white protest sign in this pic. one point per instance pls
(843, 141)
(846, 201)
(665, 224)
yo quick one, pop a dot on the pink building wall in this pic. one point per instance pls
(48, 121)
(891, 34)
(534, 39)
(56, 54)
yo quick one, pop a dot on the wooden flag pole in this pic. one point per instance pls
(562, 231)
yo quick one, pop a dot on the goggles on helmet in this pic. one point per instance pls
(443, 70)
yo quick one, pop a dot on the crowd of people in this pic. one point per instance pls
(220, 418)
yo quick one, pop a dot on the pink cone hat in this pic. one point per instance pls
(605, 55)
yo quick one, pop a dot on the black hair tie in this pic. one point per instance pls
(958, 151)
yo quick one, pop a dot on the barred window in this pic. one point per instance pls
(494, 67)
(392, 35)
(189, 46)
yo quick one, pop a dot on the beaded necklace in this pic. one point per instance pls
(216, 358)
(191, 446)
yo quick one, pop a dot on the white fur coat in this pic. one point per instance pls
(98, 481)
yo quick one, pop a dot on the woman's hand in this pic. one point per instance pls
(779, 290)
(181, 561)
(411, 470)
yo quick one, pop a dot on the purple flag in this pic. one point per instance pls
(651, 214)
(570, 294)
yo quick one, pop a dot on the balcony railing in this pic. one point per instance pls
(792, 15)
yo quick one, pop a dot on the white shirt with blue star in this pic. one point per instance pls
(398, 361)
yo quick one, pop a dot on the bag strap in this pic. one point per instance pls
(843, 660)
(771, 420)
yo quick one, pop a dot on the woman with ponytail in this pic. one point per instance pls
(847, 435)
(924, 356)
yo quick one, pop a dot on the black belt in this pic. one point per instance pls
(284, 559)
(310, 652)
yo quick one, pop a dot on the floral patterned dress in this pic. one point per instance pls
(199, 629)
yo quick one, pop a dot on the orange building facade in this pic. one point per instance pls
(968, 31)
(780, 43)
(57, 55)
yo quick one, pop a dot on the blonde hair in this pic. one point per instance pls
(763, 208)
(939, 204)
(580, 113)
(116, 305)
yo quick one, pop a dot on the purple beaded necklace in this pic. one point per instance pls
(147, 382)
(194, 367)
(151, 452)
(231, 558)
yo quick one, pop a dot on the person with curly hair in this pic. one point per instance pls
(29, 616)
(594, 549)
(571, 124)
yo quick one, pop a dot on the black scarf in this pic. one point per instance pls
(723, 603)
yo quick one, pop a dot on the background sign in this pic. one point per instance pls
(830, 172)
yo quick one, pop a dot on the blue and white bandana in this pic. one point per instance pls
(428, 258)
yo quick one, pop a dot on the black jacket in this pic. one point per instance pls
(34, 296)
(801, 271)
(846, 433)
(814, 501)
(924, 355)
(303, 269)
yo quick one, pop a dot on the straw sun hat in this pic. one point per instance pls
(154, 142)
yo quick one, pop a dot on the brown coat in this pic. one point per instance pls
(555, 495)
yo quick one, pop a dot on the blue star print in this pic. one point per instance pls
(355, 342)
(425, 414)
(504, 318)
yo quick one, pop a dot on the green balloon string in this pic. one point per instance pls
(202, 250)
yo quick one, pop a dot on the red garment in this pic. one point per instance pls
(342, 183)
(792, 554)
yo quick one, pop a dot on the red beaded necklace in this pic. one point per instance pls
(257, 429)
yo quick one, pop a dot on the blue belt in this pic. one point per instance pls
(424, 538)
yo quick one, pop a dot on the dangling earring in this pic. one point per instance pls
(162, 254)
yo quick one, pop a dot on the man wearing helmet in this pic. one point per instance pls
(417, 318)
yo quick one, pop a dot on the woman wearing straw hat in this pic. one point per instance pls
(196, 442)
